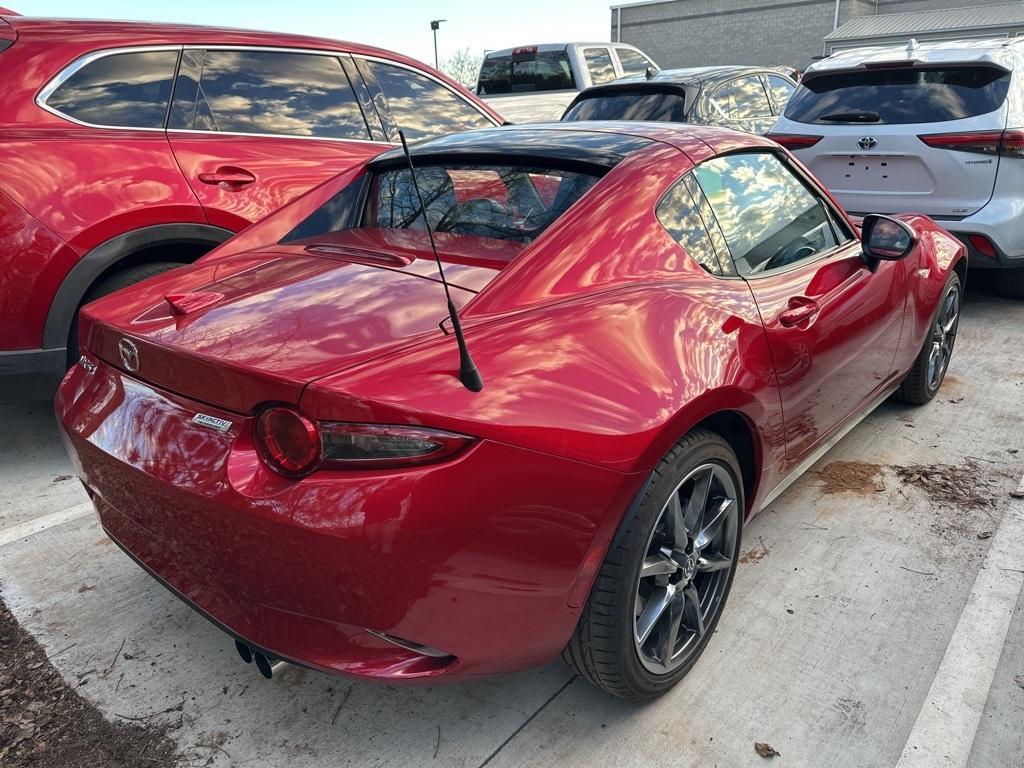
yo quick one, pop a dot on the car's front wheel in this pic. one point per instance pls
(926, 375)
(667, 575)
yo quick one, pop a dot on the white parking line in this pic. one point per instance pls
(944, 731)
(17, 532)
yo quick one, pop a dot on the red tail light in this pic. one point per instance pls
(793, 141)
(288, 441)
(293, 445)
(1006, 143)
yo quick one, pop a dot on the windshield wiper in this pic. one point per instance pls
(863, 116)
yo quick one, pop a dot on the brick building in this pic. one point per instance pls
(683, 33)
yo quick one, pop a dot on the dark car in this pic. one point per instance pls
(745, 98)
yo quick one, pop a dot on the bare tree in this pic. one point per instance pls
(463, 66)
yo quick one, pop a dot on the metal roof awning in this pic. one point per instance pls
(1006, 20)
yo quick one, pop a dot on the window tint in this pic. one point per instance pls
(129, 90)
(678, 213)
(422, 107)
(781, 90)
(599, 63)
(769, 218)
(632, 62)
(526, 72)
(630, 105)
(899, 96)
(290, 94)
(513, 203)
(741, 99)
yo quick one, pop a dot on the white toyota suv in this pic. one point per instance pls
(933, 128)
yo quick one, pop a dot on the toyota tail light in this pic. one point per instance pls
(1008, 143)
(794, 141)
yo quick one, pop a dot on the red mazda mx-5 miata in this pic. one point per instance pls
(671, 323)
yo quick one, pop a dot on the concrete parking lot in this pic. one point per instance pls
(876, 619)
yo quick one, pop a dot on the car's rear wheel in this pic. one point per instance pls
(115, 282)
(667, 575)
(1010, 283)
(929, 369)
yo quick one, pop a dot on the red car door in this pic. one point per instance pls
(833, 319)
(253, 129)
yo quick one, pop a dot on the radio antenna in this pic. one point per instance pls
(468, 373)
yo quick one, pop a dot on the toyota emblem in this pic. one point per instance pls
(129, 354)
(868, 142)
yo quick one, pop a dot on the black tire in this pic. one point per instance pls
(921, 384)
(1010, 283)
(605, 648)
(115, 282)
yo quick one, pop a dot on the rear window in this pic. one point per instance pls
(526, 72)
(899, 95)
(514, 203)
(630, 105)
(501, 202)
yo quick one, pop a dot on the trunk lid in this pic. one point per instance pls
(259, 326)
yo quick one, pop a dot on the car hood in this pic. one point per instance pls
(258, 327)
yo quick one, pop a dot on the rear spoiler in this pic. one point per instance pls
(903, 64)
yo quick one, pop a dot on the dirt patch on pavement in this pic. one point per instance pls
(44, 723)
(965, 486)
(857, 477)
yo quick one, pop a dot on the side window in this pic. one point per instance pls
(679, 213)
(125, 90)
(599, 64)
(266, 92)
(781, 90)
(423, 107)
(633, 63)
(769, 218)
(741, 99)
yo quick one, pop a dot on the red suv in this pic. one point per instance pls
(128, 149)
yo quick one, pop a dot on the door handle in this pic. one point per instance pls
(800, 310)
(229, 178)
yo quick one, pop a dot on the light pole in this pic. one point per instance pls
(435, 25)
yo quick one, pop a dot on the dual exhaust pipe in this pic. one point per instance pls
(267, 665)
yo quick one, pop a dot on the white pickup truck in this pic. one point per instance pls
(535, 83)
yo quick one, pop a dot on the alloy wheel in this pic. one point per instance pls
(685, 573)
(943, 337)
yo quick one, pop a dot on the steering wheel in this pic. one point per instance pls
(788, 254)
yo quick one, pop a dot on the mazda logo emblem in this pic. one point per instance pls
(868, 142)
(129, 354)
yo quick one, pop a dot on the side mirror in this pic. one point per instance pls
(886, 238)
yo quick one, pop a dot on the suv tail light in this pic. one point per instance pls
(294, 446)
(1006, 143)
(794, 141)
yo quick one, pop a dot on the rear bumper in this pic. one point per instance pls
(31, 375)
(1002, 222)
(479, 557)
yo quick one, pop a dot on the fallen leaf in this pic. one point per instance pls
(985, 535)
(1019, 680)
(765, 750)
